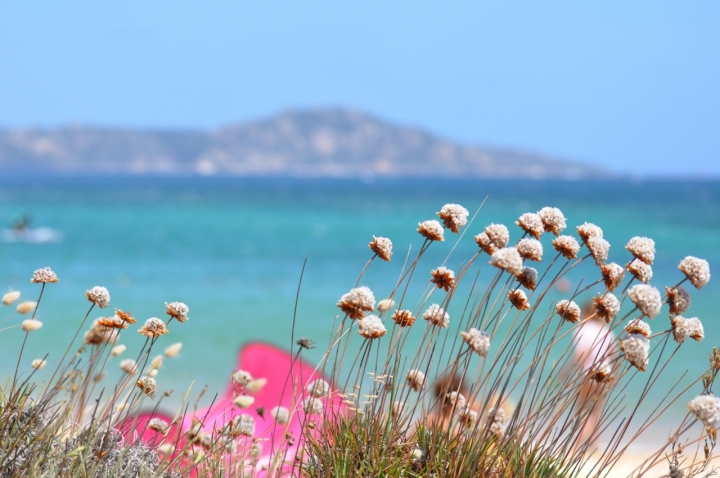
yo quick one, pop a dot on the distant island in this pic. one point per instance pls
(308, 143)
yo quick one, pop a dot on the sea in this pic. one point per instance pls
(253, 256)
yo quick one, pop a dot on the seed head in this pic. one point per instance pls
(436, 315)
(468, 417)
(177, 310)
(706, 408)
(599, 249)
(126, 316)
(643, 248)
(153, 328)
(431, 230)
(173, 350)
(528, 277)
(697, 270)
(640, 270)
(44, 276)
(687, 328)
(385, 305)
(152, 372)
(567, 246)
(246, 425)
(313, 406)
(382, 246)
(636, 348)
(281, 415)
(113, 322)
(371, 327)
(485, 244)
(403, 318)
(498, 235)
(679, 299)
(416, 454)
(10, 297)
(454, 216)
(128, 366)
(241, 377)
(531, 224)
(530, 249)
(443, 278)
(118, 350)
(39, 364)
(99, 296)
(601, 373)
(568, 310)
(305, 343)
(244, 401)
(606, 306)
(416, 380)
(646, 298)
(356, 302)
(588, 230)
(158, 425)
(26, 307)
(478, 340)
(256, 385)
(156, 362)
(457, 401)
(508, 259)
(396, 409)
(612, 275)
(518, 299)
(31, 325)
(167, 448)
(552, 219)
(637, 326)
(100, 334)
(318, 388)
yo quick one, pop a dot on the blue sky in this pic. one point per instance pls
(633, 86)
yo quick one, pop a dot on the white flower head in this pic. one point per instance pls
(588, 230)
(607, 306)
(371, 327)
(706, 408)
(416, 380)
(643, 248)
(697, 270)
(478, 340)
(568, 310)
(508, 259)
(646, 298)
(318, 388)
(568, 246)
(684, 329)
(612, 275)
(281, 415)
(637, 326)
(552, 219)
(436, 315)
(599, 249)
(454, 216)
(382, 246)
(241, 377)
(356, 302)
(99, 296)
(498, 235)
(636, 349)
(431, 230)
(10, 297)
(530, 249)
(313, 406)
(641, 271)
(177, 310)
(531, 224)
(44, 276)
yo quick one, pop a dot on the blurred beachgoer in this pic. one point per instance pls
(593, 342)
(442, 410)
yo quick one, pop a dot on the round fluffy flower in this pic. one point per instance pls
(568, 310)
(457, 401)
(679, 299)
(498, 235)
(44, 276)
(642, 248)
(241, 377)
(318, 388)
(599, 249)
(403, 318)
(148, 385)
(454, 216)
(113, 322)
(39, 364)
(706, 408)
(173, 350)
(385, 305)
(528, 277)
(588, 230)
(640, 270)
(687, 328)
(313, 406)
(128, 366)
(436, 315)
(612, 275)
(637, 326)
(382, 246)
(478, 340)
(371, 327)
(158, 425)
(443, 278)
(10, 297)
(552, 219)
(531, 224)
(246, 425)
(416, 380)
(177, 310)
(530, 249)
(567, 246)
(485, 244)
(99, 296)
(507, 259)
(607, 306)
(431, 230)
(646, 298)
(601, 373)
(356, 302)
(518, 299)
(636, 348)
(281, 415)
(30, 325)
(153, 327)
(126, 316)
(697, 270)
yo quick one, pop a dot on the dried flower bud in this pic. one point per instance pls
(166, 449)
(10, 297)
(478, 340)
(552, 219)
(99, 296)
(687, 328)
(318, 388)
(173, 350)
(599, 249)
(637, 326)
(443, 278)
(457, 401)
(508, 259)
(518, 299)
(601, 373)
(498, 235)
(403, 318)
(157, 362)
(356, 302)
(177, 310)
(454, 216)
(431, 230)
(706, 408)
(640, 270)
(31, 325)
(44, 276)
(255, 385)
(697, 270)
(39, 364)
(485, 244)
(646, 298)
(588, 230)
(125, 316)
(371, 327)
(382, 246)
(281, 415)
(385, 305)
(567, 246)
(530, 249)
(152, 372)
(153, 328)
(436, 315)
(416, 380)
(642, 248)
(113, 322)
(158, 425)
(241, 377)
(607, 306)
(531, 224)
(26, 307)
(679, 299)
(612, 275)
(118, 350)
(128, 366)
(313, 406)
(568, 310)
(636, 348)
(528, 277)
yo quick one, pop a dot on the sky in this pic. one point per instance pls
(630, 86)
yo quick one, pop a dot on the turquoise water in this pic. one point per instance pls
(233, 250)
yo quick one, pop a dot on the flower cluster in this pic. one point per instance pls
(454, 216)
